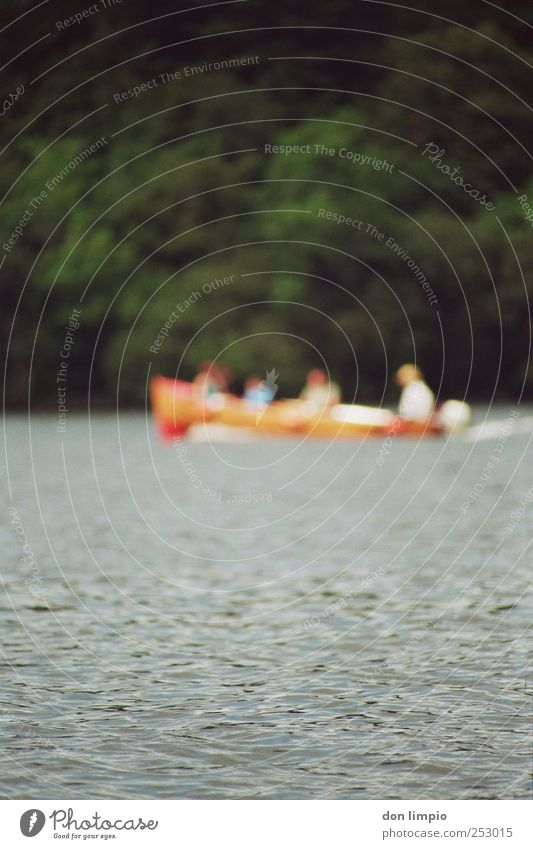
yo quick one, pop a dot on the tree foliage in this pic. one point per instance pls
(182, 191)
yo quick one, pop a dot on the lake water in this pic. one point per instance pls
(266, 620)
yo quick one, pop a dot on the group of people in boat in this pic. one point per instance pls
(212, 384)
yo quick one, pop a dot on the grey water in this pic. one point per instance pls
(268, 620)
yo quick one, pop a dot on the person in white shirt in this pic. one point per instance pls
(417, 401)
(319, 393)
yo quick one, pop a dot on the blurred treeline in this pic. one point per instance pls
(171, 201)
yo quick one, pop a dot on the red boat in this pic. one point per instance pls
(176, 409)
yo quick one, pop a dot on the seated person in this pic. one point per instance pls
(210, 384)
(319, 393)
(417, 401)
(257, 392)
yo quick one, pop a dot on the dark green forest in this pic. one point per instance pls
(360, 172)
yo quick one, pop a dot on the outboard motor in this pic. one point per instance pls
(455, 416)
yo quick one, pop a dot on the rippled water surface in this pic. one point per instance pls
(264, 620)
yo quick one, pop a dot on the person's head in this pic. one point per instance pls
(252, 381)
(317, 377)
(217, 373)
(407, 373)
